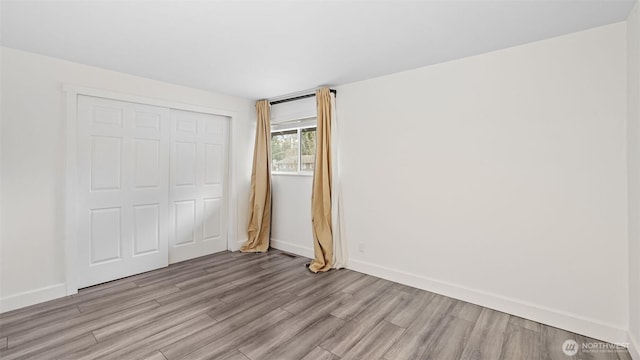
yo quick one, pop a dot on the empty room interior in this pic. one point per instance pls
(320, 180)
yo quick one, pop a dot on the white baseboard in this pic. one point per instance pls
(292, 248)
(557, 318)
(634, 346)
(32, 297)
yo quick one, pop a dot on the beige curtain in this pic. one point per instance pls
(260, 205)
(321, 195)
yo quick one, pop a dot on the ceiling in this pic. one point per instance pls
(264, 49)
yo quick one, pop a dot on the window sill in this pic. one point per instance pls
(303, 174)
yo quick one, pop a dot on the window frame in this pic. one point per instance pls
(298, 128)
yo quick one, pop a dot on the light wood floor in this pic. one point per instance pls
(237, 306)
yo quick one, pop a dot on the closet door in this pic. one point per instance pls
(198, 176)
(123, 202)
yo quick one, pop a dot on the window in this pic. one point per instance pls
(293, 150)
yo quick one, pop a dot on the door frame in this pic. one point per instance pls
(71, 167)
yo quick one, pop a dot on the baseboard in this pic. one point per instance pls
(634, 346)
(292, 248)
(556, 318)
(32, 297)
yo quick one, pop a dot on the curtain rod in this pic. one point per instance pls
(298, 97)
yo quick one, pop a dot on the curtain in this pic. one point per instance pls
(337, 221)
(321, 192)
(260, 202)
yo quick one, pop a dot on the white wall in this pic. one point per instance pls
(32, 259)
(633, 163)
(291, 214)
(499, 179)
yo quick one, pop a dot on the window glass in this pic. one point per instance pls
(307, 149)
(284, 151)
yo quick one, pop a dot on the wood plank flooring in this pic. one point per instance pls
(234, 306)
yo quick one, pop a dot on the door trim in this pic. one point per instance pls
(71, 168)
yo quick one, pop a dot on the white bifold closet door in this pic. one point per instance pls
(198, 186)
(123, 161)
(151, 187)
